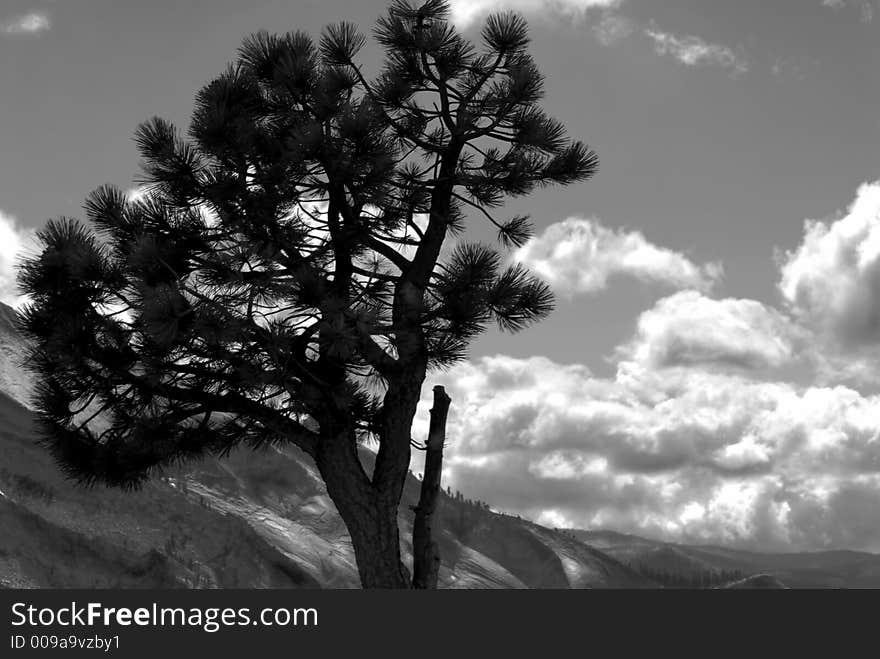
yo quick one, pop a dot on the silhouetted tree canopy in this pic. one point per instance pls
(281, 281)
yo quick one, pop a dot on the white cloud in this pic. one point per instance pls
(831, 284)
(694, 51)
(466, 12)
(26, 24)
(864, 7)
(580, 256)
(612, 28)
(15, 241)
(690, 329)
(679, 453)
(696, 438)
(832, 280)
(609, 27)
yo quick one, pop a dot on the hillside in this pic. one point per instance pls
(253, 520)
(264, 520)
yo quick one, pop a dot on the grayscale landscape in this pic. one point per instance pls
(265, 521)
(468, 294)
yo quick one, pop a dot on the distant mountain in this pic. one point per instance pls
(253, 520)
(822, 569)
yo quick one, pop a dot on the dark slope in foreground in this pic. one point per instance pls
(251, 521)
(254, 520)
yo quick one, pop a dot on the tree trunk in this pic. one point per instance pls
(426, 553)
(370, 518)
(376, 542)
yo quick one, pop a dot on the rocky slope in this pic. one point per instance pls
(252, 520)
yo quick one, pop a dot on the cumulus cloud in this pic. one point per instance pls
(697, 437)
(831, 281)
(31, 23)
(15, 241)
(466, 12)
(690, 329)
(694, 51)
(678, 453)
(831, 284)
(580, 256)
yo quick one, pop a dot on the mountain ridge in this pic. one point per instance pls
(833, 568)
(263, 520)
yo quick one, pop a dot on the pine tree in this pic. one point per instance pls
(282, 281)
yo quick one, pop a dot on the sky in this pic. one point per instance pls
(709, 372)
